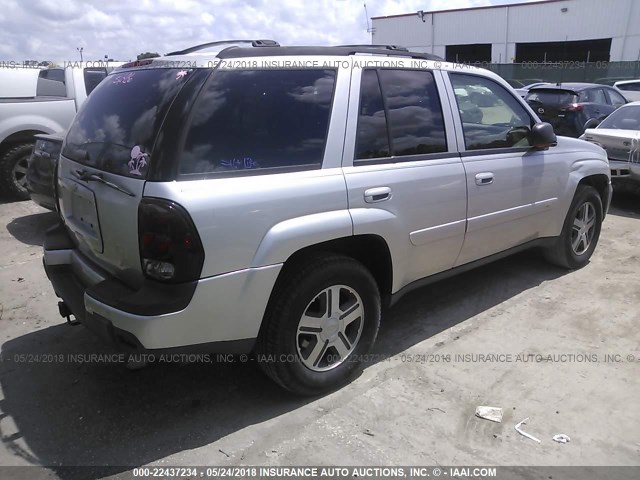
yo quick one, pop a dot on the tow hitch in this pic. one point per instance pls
(65, 312)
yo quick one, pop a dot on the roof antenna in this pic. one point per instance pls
(370, 29)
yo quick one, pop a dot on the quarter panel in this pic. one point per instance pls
(237, 217)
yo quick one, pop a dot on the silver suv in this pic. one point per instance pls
(271, 200)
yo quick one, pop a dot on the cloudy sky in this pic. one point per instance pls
(53, 29)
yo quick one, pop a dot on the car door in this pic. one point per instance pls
(600, 107)
(512, 188)
(614, 99)
(404, 176)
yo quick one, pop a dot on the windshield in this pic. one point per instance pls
(552, 97)
(117, 126)
(627, 118)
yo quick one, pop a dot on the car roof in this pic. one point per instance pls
(209, 55)
(574, 86)
(624, 82)
(227, 49)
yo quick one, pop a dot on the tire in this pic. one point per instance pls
(576, 243)
(13, 171)
(307, 347)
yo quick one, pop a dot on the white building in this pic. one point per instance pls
(551, 30)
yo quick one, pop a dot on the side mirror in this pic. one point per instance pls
(592, 123)
(542, 136)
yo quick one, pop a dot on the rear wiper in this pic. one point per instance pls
(97, 177)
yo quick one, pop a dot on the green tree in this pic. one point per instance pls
(144, 55)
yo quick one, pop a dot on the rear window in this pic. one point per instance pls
(627, 118)
(93, 77)
(116, 127)
(51, 83)
(629, 87)
(259, 119)
(552, 97)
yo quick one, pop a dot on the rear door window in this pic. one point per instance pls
(262, 120)
(629, 87)
(93, 77)
(615, 98)
(595, 95)
(400, 115)
(51, 83)
(117, 125)
(372, 140)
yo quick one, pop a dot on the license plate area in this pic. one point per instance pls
(78, 205)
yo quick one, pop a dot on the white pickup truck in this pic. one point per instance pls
(34, 101)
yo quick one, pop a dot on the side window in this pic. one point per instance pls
(615, 98)
(491, 116)
(55, 74)
(51, 83)
(372, 139)
(415, 116)
(629, 87)
(259, 119)
(595, 95)
(93, 77)
(408, 121)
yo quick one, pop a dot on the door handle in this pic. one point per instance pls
(485, 178)
(378, 194)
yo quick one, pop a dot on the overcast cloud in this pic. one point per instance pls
(53, 29)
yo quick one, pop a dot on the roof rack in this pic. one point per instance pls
(254, 43)
(339, 50)
(384, 47)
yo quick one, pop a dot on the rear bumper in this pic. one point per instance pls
(218, 314)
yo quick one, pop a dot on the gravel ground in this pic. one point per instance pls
(562, 348)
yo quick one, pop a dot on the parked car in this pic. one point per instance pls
(42, 165)
(514, 83)
(276, 210)
(572, 107)
(37, 101)
(523, 91)
(630, 89)
(619, 135)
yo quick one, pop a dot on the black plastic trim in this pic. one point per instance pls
(539, 242)
(248, 172)
(419, 157)
(151, 299)
(495, 151)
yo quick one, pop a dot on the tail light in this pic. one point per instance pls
(170, 247)
(574, 107)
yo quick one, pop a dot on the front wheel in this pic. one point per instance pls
(580, 232)
(322, 320)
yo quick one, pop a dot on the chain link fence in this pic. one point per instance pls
(567, 71)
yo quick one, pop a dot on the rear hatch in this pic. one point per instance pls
(552, 105)
(105, 160)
